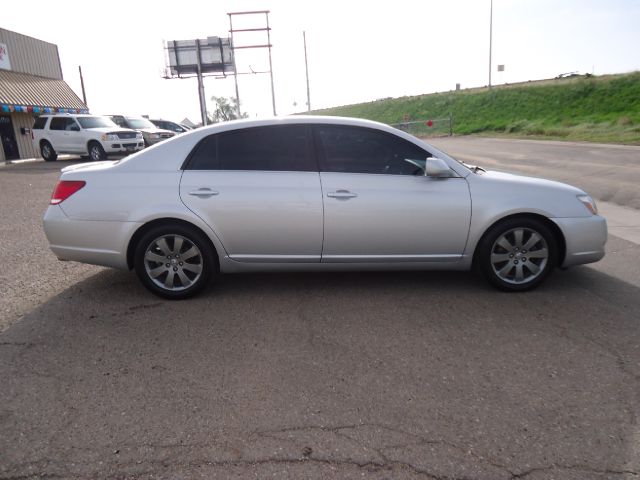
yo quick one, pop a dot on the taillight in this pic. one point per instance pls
(65, 189)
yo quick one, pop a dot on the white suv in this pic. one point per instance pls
(86, 135)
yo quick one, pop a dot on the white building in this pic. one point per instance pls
(31, 83)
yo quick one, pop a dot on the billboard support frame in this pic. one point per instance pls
(268, 46)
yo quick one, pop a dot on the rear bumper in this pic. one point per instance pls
(95, 242)
(585, 238)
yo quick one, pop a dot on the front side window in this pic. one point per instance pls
(40, 123)
(71, 125)
(364, 150)
(275, 148)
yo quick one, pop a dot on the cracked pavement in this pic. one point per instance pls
(346, 375)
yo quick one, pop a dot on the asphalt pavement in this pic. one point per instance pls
(610, 173)
(345, 375)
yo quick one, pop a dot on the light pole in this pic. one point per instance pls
(306, 68)
(490, 39)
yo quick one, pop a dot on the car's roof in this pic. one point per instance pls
(297, 119)
(70, 115)
(174, 150)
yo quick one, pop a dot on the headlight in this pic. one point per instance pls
(109, 137)
(589, 202)
(154, 135)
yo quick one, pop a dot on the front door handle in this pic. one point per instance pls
(341, 194)
(203, 193)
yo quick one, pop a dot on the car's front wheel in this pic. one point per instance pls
(96, 152)
(174, 261)
(517, 254)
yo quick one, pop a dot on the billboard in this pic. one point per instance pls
(4, 57)
(209, 55)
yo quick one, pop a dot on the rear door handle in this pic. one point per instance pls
(203, 193)
(341, 194)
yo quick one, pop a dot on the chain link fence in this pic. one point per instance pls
(432, 127)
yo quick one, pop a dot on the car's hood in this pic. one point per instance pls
(524, 181)
(496, 191)
(154, 130)
(109, 129)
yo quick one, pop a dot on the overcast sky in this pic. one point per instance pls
(358, 50)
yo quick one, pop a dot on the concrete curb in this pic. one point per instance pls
(22, 160)
(34, 160)
(623, 222)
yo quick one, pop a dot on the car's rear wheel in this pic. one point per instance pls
(174, 261)
(47, 152)
(517, 254)
(96, 152)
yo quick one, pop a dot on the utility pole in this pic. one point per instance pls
(490, 39)
(273, 93)
(201, 97)
(306, 68)
(84, 95)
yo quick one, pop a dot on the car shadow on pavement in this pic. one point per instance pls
(384, 374)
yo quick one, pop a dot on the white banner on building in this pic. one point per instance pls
(4, 57)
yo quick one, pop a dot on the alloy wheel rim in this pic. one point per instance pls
(95, 153)
(519, 256)
(173, 262)
(46, 151)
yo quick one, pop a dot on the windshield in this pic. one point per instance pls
(139, 123)
(95, 122)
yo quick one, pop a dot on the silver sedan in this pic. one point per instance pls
(314, 193)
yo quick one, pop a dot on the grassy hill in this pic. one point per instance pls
(598, 109)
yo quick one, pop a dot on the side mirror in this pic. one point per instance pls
(75, 128)
(436, 167)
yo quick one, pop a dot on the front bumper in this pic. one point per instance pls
(96, 242)
(585, 238)
(152, 141)
(128, 145)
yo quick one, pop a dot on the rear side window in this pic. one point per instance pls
(40, 123)
(274, 148)
(58, 123)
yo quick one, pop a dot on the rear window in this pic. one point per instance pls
(40, 123)
(275, 148)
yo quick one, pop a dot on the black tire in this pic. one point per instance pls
(47, 152)
(517, 254)
(177, 261)
(96, 152)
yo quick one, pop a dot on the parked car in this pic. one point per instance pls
(91, 135)
(314, 193)
(171, 126)
(150, 132)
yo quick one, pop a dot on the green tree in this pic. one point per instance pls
(225, 109)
